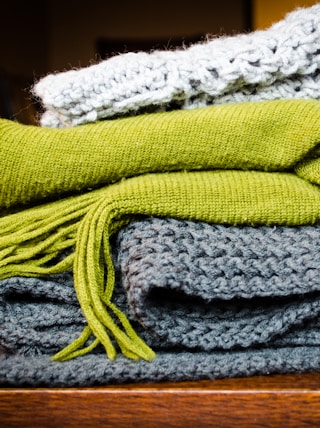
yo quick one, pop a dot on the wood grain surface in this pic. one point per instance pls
(262, 401)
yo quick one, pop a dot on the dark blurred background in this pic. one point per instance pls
(38, 37)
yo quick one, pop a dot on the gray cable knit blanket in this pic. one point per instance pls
(282, 61)
(213, 301)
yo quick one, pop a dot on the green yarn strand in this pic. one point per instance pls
(89, 285)
(71, 351)
(33, 239)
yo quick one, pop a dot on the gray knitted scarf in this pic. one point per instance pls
(213, 301)
(282, 61)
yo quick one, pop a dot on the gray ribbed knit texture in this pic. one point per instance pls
(213, 301)
(213, 286)
(92, 370)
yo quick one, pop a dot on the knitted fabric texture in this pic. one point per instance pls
(31, 240)
(226, 301)
(93, 370)
(213, 287)
(40, 164)
(280, 138)
(282, 61)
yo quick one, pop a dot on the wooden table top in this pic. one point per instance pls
(260, 401)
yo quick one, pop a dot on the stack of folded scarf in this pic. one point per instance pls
(164, 221)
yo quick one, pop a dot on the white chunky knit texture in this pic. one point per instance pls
(282, 61)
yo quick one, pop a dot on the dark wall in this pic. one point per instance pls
(42, 36)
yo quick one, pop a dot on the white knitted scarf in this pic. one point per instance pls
(282, 61)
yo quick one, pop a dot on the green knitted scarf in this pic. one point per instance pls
(257, 163)
(41, 164)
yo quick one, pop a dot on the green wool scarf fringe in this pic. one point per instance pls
(34, 242)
